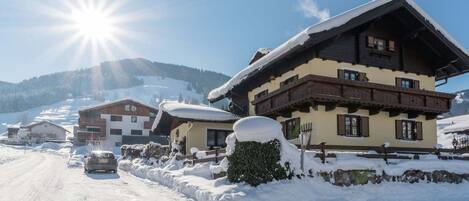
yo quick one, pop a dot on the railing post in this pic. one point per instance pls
(323, 152)
(385, 151)
(216, 155)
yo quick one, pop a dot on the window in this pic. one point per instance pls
(351, 75)
(407, 83)
(261, 94)
(136, 132)
(289, 81)
(381, 44)
(127, 108)
(133, 108)
(216, 138)
(116, 118)
(353, 126)
(93, 129)
(133, 119)
(115, 131)
(291, 128)
(408, 130)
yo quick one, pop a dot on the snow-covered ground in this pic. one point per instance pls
(450, 124)
(44, 176)
(65, 113)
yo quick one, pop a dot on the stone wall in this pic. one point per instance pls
(361, 177)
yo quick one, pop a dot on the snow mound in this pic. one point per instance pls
(49, 145)
(257, 129)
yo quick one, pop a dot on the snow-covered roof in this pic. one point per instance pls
(45, 122)
(299, 40)
(116, 101)
(195, 112)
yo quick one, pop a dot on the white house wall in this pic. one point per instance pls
(48, 129)
(126, 125)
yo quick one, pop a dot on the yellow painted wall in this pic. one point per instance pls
(382, 129)
(329, 68)
(196, 133)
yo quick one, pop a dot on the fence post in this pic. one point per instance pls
(323, 152)
(216, 155)
(385, 151)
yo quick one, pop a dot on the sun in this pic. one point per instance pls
(93, 23)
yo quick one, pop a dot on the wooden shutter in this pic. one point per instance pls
(419, 132)
(398, 129)
(364, 126)
(362, 77)
(416, 84)
(284, 128)
(340, 124)
(341, 74)
(391, 46)
(370, 41)
(398, 82)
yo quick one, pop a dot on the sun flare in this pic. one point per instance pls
(93, 24)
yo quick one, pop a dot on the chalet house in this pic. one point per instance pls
(196, 126)
(115, 123)
(42, 131)
(362, 78)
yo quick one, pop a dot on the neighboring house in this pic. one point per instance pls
(363, 78)
(194, 125)
(39, 132)
(12, 132)
(115, 123)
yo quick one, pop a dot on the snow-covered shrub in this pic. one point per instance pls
(155, 150)
(256, 163)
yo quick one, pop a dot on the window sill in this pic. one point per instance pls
(410, 141)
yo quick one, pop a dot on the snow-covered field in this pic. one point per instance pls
(65, 112)
(43, 176)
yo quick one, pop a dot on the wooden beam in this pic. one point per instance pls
(430, 116)
(352, 109)
(412, 115)
(374, 111)
(394, 113)
(330, 106)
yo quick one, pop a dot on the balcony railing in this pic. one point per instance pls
(314, 89)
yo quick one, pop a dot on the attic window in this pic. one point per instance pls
(381, 44)
(289, 81)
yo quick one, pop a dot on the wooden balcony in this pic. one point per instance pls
(148, 124)
(83, 123)
(312, 90)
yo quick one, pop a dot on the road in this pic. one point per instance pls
(45, 176)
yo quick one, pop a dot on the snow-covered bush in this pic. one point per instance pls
(261, 154)
(256, 163)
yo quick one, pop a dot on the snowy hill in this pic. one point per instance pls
(153, 90)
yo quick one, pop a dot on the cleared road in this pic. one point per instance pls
(45, 176)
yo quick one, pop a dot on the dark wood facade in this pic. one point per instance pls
(312, 90)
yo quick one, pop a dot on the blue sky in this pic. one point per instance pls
(219, 35)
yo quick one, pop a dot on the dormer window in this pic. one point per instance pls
(381, 44)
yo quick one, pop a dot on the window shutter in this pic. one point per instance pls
(364, 126)
(284, 128)
(362, 77)
(419, 130)
(341, 74)
(370, 41)
(398, 82)
(398, 129)
(416, 84)
(340, 124)
(391, 46)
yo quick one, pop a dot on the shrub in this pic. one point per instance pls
(256, 163)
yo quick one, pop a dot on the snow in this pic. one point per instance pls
(257, 129)
(189, 111)
(298, 40)
(446, 128)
